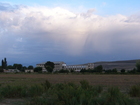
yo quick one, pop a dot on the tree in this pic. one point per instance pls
(83, 70)
(30, 67)
(17, 66)
(24, 67)
(10, 67)
(49, 66)
(114, 70)
(122, 70)
(38, 69)
(99, 68)
(4, 63)
(138, 66)
(1, 69)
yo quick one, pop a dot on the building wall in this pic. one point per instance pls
(81, 66)
(26, 71)
(57, 66)
(11, 70)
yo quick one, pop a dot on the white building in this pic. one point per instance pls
(10, 70)
(29, 71)
(61, 65)
(80, 66)
(57, 66)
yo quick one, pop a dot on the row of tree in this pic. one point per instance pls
(20, 67)
(4, 63)
(48, 65)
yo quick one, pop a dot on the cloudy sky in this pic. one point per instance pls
(74, 31)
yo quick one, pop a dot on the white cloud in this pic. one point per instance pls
(72, 33)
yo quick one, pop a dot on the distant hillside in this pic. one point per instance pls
(125, 64)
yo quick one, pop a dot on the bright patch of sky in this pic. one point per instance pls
(103, 7)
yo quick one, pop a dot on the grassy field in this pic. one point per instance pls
(124, 82)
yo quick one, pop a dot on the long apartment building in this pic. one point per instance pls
(57, 66)
(80, 66)
(62, 65)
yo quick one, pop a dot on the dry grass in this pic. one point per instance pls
(105, 80)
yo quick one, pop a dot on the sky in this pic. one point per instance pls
(73, 31)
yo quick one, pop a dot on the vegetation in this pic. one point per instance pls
(1, 69)
(99, 68)
(30, 67)
(135, 91)
(138, 66)
(49, 66)
(4, 63)
(38, 69)
(67, 94)
(122, 70)
(113, 71)
(63, 71)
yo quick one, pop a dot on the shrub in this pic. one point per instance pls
(38, 69)
(46, 85)
(35, 90)
(84, 84)
(10, 91)
(114, 97)
(122, 70)
(135, 91)
(63, 71)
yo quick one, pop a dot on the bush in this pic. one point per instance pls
(84, 84)
(114, 71)
(1, 70)
(63, 71)
(38, 69)
(70, 94)
(99, 68)
(13, 91)
(122, 70)
(114, 97)
(35, 90)
(135, 91)
(134, 71)
(47, 84)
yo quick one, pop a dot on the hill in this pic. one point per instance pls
(125, 64)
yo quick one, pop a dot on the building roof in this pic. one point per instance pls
(53, 62)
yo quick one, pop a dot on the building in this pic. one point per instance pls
(62, 65)
(42, 65)
(57, 66)
(80, 67)
(29, 71)
(10, 70)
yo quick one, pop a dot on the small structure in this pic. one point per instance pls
(29, 71)
(10, 70)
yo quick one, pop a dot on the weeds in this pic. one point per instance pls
(70, 94)
(135, 91)
(85, 94)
